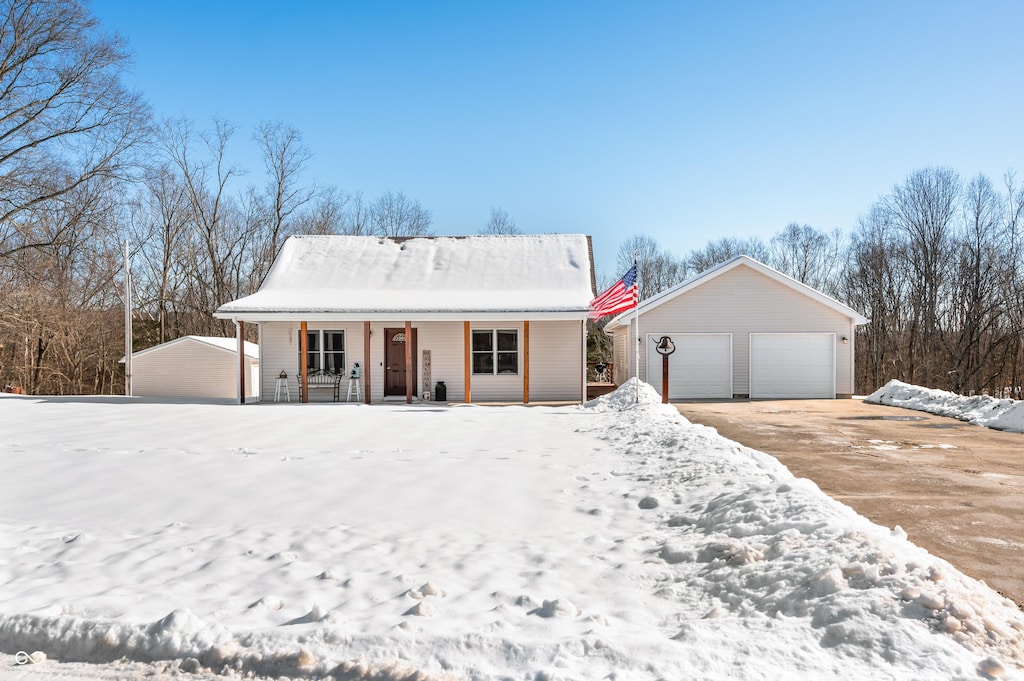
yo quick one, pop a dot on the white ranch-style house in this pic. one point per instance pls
(477, 318)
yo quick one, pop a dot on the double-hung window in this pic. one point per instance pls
(495, 351)
(325, 350)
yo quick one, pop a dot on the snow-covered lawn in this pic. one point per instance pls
(418, 542)
(981, 410)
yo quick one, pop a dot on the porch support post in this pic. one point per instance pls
(366, 361)
(410, 378)
(303, 359)
(583, 361)
(468, 357)
(259, 358)
(526, 362)
(241, 362)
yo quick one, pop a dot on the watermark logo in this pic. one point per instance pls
(21, 657)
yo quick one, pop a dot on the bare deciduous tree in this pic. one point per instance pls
(657, 269)
(284, 157)
(219, 237)
(924, 210)
(158, 219)
(66, 120)
(876, 287)
(359, 217)
(325, 213)
(500, 222)
(1011, 280)
(717, 252)
(395, 214)
(808, 255)
(974, 337)
(934, 267)
(54, 315)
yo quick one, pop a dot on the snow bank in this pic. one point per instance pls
(980, 410)
(611, 540)
(757, 542)
(632, 393)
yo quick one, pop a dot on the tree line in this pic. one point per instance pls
(86, 166)
(937, 265)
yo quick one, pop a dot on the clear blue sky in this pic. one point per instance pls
(687, 121)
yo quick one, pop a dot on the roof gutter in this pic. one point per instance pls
(389, 316)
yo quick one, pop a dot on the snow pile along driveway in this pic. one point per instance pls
(980, 410)
(613, 540)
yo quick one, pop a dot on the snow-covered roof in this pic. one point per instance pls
(361, 276)
(252, 350)
(722, 268)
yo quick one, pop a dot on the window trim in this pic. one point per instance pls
(493, 352)
(322, 351)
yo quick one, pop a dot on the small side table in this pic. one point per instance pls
(353, 384)
(282, 389)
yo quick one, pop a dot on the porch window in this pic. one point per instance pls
(495, 351)
(325, 350)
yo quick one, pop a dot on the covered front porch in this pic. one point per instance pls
(500, 359)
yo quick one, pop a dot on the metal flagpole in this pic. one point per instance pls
(127, 322)
(636, 319)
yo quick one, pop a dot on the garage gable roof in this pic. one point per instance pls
(252, 350)
(728, 265)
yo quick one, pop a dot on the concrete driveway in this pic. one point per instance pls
(957, 489)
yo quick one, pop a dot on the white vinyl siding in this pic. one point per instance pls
(700, 367)
(556, 363)
(444, 341)
(555, 360)
(621, 358)
(500, 387)
(742, 301)
(787, 365)
(279, 351)
(189, 368)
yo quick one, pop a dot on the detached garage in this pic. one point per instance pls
(194, 366)
(742, 329)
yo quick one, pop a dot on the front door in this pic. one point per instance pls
(394, 362)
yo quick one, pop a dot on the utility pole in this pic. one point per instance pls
(127, 322)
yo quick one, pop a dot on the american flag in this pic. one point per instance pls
(620, 297)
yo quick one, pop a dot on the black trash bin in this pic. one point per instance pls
(440, 392)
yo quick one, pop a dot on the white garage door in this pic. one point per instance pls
(701, 366)
(792, 365)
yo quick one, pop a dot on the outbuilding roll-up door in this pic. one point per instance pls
(701, 366)
(792, 365)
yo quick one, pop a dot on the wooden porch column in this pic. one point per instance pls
(583, 364)
(366, 361)
(469, 354)
(303, 371)
(526, 362)
(410, 378)
(241, 361)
